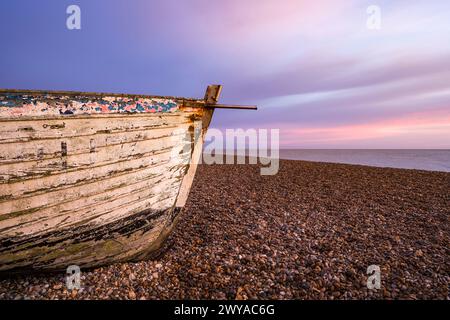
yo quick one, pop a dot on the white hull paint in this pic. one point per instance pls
(91, 179)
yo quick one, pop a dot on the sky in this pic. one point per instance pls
(314, 68)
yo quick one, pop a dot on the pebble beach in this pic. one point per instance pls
(309, 232)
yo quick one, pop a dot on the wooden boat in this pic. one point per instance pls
(89, 179)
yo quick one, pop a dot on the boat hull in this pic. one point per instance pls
(90, 180)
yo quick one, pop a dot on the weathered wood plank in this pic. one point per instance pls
(59, 190)
(58, 250)
(51, 148)
(23, 130)
(110, 207)
(22, 205)
(74, 162)
(125, 169)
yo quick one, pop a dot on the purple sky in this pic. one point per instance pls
(313, 68)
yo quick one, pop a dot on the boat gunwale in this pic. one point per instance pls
(181, 112)
(94, 94)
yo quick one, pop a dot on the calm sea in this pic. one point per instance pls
(436, 160)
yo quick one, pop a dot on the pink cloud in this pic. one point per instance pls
(433, 126)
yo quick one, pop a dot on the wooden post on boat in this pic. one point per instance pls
(212, 94)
